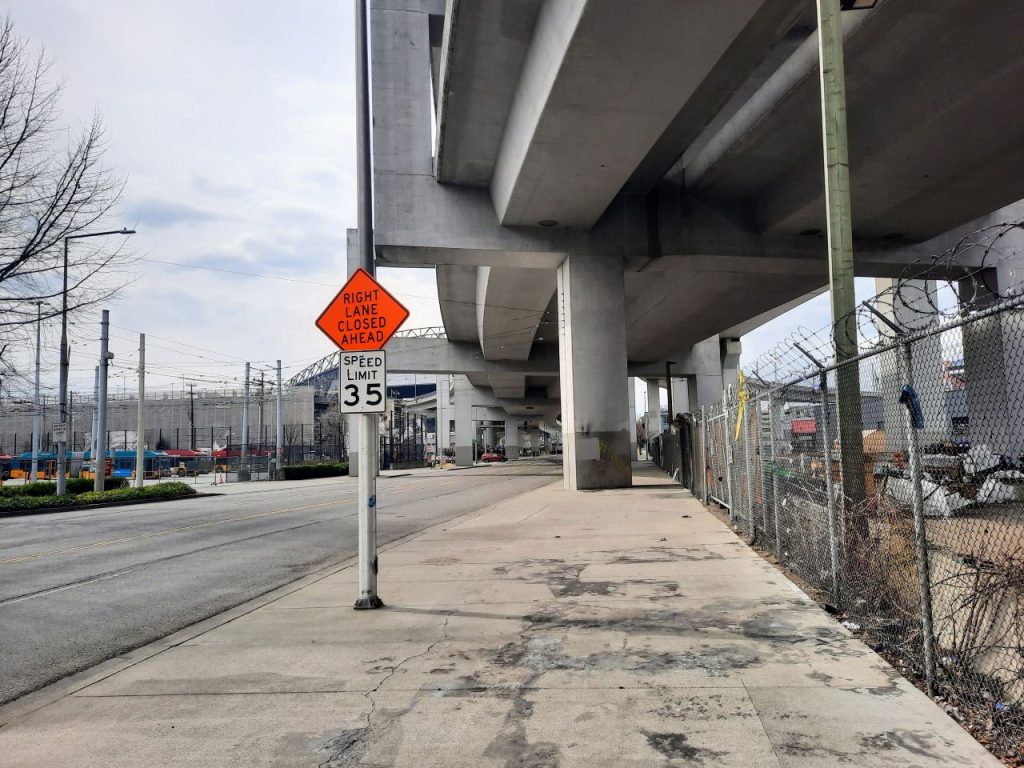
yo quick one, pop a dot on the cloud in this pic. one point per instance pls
(212, 188)
(159, 214)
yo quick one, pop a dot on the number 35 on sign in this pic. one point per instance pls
(363, 376)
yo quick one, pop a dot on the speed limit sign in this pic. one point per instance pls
(363, 376)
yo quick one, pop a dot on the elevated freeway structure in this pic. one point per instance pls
(629, 188)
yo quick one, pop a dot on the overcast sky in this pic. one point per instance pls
(233, 121)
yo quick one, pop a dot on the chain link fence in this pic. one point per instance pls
(913, 533)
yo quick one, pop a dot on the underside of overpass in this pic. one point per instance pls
(603, 192)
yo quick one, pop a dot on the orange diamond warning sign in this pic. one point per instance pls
(363, 316)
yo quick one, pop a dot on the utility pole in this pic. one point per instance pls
(260, 433)
(369, 444)
(101, 409)
(61, 445)
(140, 429)
(279, 426)
(37, 417)
(245, 421)
(191, 416)
(840, 247)
(62, 458)
(95, 415)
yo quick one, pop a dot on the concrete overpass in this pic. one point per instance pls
(641, 187)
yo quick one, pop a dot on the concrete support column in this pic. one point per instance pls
(444, 409)
(512, 438)
(653, 409)
(465, 429)
(993, 348)
(489, 439)
(631, 394)
(717, 363)
(592, 365)
(730, 350)
(680, 397)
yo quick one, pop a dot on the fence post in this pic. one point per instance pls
(761, 465)
(833, 523)
(748, 466)
(728, 453)
(920, 533)
(712, 460)
(704, 454)
(775, 477)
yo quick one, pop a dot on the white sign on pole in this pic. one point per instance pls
(60, 432)
(363, 378)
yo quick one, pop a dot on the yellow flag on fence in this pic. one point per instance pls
(743, 404)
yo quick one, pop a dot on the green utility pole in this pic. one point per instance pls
(840, 248)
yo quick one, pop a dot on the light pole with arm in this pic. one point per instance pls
(62, 445)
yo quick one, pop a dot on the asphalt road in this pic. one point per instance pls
(77, 588)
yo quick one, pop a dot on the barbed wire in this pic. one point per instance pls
(978, 272)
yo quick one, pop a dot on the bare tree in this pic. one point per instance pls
(52, 184)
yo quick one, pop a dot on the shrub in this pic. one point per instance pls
(75, 486)
(307, 471)
(163, 490)
(28, 503)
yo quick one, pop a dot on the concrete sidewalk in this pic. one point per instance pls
(616, 628)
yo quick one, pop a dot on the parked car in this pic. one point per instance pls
(492, 457)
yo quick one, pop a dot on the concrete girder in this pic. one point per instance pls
(510, 386)
(477, 82)
(421, 222)
(510, 307)
(915, 89)
(669, 310)
(595, 94)
(456, 295)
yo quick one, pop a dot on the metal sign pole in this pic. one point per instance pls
(368, 442)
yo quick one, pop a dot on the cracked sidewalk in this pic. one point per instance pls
(611, 628)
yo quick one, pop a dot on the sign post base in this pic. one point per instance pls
(368, 603)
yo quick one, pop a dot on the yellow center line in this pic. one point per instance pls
(167, 532)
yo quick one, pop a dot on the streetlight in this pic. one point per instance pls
(62, 431)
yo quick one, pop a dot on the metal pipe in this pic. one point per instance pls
(369, 443)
